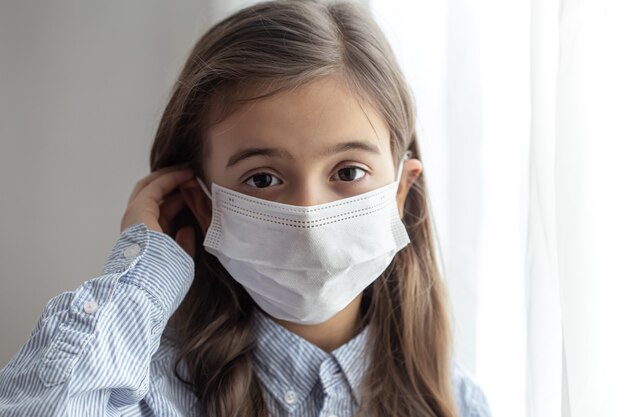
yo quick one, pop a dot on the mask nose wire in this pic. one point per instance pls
(204, 188)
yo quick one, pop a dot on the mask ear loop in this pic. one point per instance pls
(405, 156)
(204, 188)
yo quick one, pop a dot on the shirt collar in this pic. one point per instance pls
(285, 361)
(353, 358)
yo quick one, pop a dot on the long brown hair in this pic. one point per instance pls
(278, 45)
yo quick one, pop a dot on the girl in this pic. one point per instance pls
(288, 153)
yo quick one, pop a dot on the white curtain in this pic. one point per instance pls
(521, 108)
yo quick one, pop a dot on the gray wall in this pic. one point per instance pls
(82, 88)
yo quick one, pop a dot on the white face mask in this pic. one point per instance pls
(305, 264)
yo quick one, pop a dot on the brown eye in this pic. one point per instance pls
(351, 173)
(261, 180)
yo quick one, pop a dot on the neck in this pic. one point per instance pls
(332, 333)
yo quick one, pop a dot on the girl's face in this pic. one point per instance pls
(303, 147)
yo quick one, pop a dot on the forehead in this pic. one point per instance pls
(302, 120)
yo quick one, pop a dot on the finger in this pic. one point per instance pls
(171, 206)
(139, 185)
(163, 185)
(142, 183)
(192, 183)
(185, 237)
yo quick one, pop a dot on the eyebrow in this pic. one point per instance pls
(282, 153)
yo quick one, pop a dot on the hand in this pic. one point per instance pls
(156, 200)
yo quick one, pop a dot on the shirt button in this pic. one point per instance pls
(90, 307)
(290, 397)
(132, 251)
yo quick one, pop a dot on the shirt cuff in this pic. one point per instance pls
(154, 262)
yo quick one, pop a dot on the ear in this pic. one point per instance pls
(198, 202)
(412, 169)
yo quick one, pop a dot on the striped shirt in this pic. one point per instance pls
(105, 350)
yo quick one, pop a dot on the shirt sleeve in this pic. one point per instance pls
(90, 352)
(470, 398)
